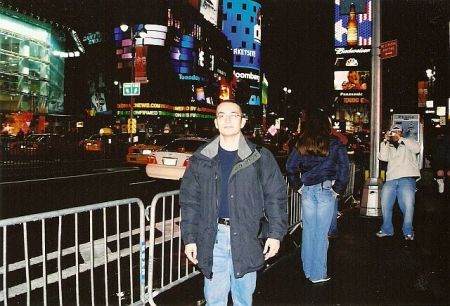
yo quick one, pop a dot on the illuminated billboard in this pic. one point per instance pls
(352, 85)
(209, 10)
(241, 23)
(353, 23)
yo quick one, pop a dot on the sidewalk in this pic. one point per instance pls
(364, 269)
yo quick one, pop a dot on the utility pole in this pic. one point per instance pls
(371, 198)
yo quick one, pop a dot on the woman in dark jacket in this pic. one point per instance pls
(322, 162)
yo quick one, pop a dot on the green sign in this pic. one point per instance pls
(131, 89)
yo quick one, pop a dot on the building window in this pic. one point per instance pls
(247, 31)
(238, 17)
(254, 9)
(244, 6)
(224, 16)
(252, 19)
(244, 44)
(251, 60)
(233, 29)
(254, 46)
(238, 59)
(229, 5)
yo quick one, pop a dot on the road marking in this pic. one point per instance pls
(65, 177)
(143, 182)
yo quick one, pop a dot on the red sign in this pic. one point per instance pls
(388, 49)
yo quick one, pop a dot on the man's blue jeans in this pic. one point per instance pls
(403, 189)
(217, 288)
(318, 206)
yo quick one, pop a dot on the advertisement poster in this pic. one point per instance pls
(209, 9)
(422, 93)
(362, 24)
(140, 65)
(97, 94)
(352, 86)
(351, 80)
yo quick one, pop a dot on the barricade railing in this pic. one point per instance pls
(294, 209)
(350, 190)
(167, 265)
(84, 255)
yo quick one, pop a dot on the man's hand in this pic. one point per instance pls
(191, 252)
(271, 248)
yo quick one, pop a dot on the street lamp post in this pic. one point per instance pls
(124, 28)
(287, 91)
(431, 78)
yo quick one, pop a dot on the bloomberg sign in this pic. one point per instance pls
(242, 26)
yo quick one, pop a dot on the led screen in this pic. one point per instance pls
(351, 80)
(363, 19)
(352, 86)
(242, 26)
(209, 10)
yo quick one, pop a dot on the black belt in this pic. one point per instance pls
(224, 221)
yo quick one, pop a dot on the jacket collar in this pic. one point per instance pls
(212, 148)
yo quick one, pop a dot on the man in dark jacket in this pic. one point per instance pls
(224, 193)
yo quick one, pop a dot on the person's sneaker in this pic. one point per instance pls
(323, 280)
(381, 234)
(409, 237)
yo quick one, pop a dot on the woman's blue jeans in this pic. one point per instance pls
(217, 288)
(404, 190)
(318, 206)
(333, 227)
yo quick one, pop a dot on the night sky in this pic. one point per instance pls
(298, 38)
(299, 50)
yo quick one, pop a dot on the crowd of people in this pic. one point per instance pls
(222, 215)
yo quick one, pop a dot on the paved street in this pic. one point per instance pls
(364, 269)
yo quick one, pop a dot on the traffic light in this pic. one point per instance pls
(131, 126)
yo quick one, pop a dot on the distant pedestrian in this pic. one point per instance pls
(229, 185)
(441, 160)
(402, 172)
(323, 164)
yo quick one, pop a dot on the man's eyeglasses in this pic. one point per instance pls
(232, 116)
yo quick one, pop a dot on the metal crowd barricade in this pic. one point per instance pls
(294, 209)
(349, 191)
(84, 255)
(167, 265)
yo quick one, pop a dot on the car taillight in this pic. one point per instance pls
(152, 160)
(186, 163)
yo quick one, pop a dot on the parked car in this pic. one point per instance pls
(139, 152)
(171, 161)
(42, 146)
